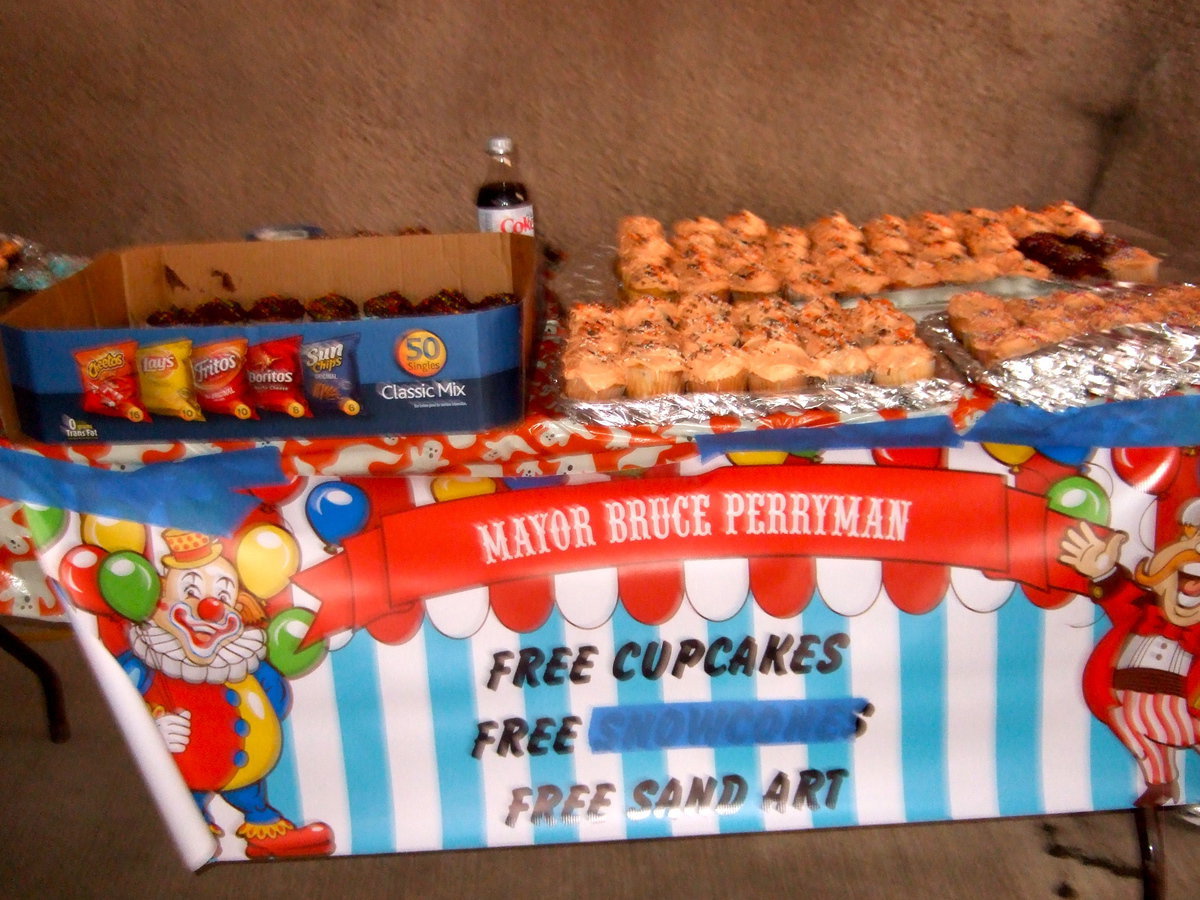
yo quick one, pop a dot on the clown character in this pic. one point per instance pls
(1143, 678)
(199, 662)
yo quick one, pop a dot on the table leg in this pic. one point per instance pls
(56, 710)
(1150, 839)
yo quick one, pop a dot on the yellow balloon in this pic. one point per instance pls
(446, 487)
(1009, 454)
(112, 534)
(757, 457)
(266, 559)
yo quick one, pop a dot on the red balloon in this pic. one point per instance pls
(79, 573)
(783, 585)
(114, 633)
(1149, 469)
(910, 457)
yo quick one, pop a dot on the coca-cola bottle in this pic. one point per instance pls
(503, 202)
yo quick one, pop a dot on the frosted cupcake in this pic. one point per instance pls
(716, 368)
(652, 369)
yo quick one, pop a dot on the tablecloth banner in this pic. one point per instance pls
(846, 637)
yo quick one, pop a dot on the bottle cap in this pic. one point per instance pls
(500, 145)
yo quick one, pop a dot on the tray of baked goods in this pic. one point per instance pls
(743, 318)
(1075, 345)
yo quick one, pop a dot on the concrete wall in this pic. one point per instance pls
(140, 120)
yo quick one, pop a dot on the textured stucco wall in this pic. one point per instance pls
(136, 120)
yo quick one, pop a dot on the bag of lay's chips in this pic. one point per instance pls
(273, 368)
(110, 383)
(219, 376)
(165, 378)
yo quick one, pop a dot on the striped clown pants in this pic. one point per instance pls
(1152, 726)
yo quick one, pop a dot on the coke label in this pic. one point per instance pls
(509, 220)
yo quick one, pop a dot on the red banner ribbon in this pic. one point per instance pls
(968, 519)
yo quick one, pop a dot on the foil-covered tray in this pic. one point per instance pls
(590, 279)
(850, 401)
(1132, 362)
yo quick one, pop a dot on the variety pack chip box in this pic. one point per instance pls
(412, 374)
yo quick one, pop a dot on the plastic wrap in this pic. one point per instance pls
(27, 266)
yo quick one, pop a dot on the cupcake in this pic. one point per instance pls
(774, 365)
(886, 233)
(275, 308)
(716, 368)
(332, 308)
(746, 227)
(857, 274)
(641, 277)
(1066, 219)
(593, 376)
(445, 302)
(930, 228)
(387, 306)
(652, 369)
(807, 282)
(219, 311)
(987, 238)
(964, 269)
(1021, 222)
(897, 364)
(1014, 262)
(175, 315)
(751, 280)
(636, 232)
(701, 274)
(835, 230)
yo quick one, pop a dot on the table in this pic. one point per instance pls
(750, 640)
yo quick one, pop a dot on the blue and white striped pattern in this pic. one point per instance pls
(975, 715)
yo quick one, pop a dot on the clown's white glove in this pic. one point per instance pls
(1089, 554)
(176, 730)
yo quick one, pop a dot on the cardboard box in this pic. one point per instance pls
(475, 379)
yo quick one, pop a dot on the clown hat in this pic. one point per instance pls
(189, 549)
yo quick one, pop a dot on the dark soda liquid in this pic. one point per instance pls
(502, 194)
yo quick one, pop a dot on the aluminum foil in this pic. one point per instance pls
(1132, 362)
(851, 401)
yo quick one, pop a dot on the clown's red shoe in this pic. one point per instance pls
(282, 839)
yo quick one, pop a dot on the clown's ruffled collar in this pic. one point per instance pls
(161, 650)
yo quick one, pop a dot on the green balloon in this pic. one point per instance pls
(284, 635)
(45, 523)
(1080, 497)
(129, 584)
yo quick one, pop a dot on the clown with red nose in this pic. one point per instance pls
(1143, 678)
(199, 660)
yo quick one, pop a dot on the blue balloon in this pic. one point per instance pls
(336, 511)
(1066, 456)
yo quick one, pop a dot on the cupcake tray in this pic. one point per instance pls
(1132, 362)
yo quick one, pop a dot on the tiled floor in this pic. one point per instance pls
(77, 821)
